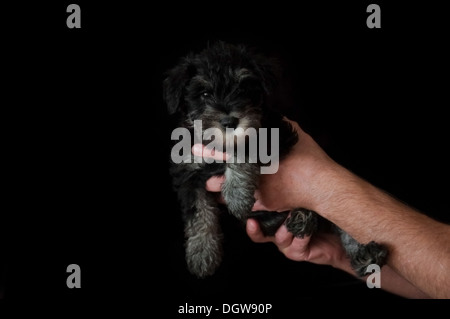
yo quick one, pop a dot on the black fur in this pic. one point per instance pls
(228, 85)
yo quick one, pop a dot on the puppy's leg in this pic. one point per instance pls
(203, 235)
(362, 255)
(269, 222)
(238, 190)
(301, 222)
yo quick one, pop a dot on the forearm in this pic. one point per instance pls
(418, 246)
(390, 280)
(396, 284)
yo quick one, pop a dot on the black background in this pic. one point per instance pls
(89, 140)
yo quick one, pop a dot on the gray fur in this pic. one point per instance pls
(301, 222)
(204, 236)
(362, 255)
(241, 182)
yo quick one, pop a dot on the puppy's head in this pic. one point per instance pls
(225, 86)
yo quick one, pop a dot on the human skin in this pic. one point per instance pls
(419, 252)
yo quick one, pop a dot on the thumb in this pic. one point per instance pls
(255, 233)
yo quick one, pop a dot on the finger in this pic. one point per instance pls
(294, 124)
(214, 184)
(202, 151)
(255, 233)
(259, 206)
(300, 244)
(283, 238)
(299, 249)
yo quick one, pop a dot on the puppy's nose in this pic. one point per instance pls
(229, 121)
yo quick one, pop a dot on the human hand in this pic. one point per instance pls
(289, 187)
(321, 248)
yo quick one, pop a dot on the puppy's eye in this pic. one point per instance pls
(205, 95)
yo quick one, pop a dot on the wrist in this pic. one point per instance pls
(332, 186)
(317, 181)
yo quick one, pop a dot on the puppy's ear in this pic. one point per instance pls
(174, 84)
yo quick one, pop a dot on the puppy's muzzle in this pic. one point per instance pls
(229, 122)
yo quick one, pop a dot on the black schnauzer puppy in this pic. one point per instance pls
(229, 87)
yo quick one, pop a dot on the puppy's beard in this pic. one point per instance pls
(220, 136)
(246, 122)
(214, 135)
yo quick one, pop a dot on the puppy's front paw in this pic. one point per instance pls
(238, 190)
(239, 201)
(301, 222)
(203, 255)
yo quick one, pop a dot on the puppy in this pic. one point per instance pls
(228, 88)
